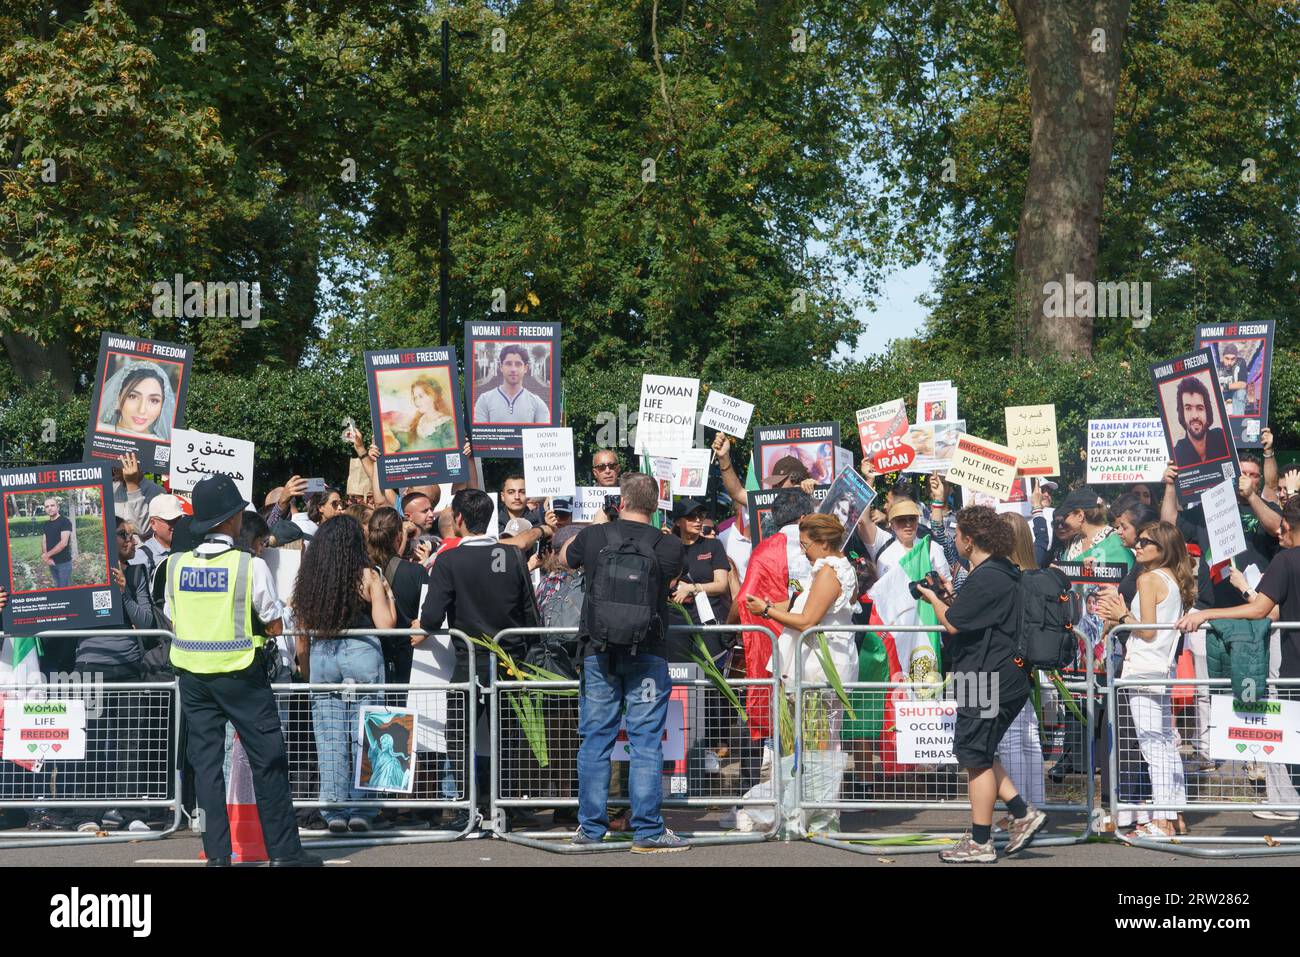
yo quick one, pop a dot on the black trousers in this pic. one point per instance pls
(245, 699)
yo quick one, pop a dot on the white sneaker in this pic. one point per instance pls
(89, 827)
(1277, 815)
(138, 827)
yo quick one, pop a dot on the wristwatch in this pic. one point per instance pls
(766, 609)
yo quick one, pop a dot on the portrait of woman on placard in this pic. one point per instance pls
(138, 400)
(430, 427)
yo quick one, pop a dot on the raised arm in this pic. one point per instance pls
(730, 480)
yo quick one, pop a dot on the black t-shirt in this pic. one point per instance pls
(53, 529)
(987, 600)
(702, 559)
(408, 580)
(668, 549)
(1260, 549)
(1281, 583)
(1216, 447)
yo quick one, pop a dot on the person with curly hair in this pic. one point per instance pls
(337, 589)
(980, 625)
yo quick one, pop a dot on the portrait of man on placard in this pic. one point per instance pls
(1190, 413)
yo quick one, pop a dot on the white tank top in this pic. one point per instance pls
(1155, 658)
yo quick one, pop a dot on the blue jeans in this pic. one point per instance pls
(611, 684)
(335, 717)
(62, 574)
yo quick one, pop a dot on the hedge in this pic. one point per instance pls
(296, 418)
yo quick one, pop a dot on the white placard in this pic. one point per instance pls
(492, 522)
(843, 459)
(925, 731)
(590, 499)
(196, 455)
(1264, 730)
(691, 472)
(704, 608)
(726, 414)
(936, 402)
(1121, 451)
(666, 418)
(674, 739)
(43, 731)
(662, 468)
(983, 466)
(548, 462)
(1223, 521)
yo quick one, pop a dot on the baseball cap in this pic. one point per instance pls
(1082, 497)
(283, 532)
(685, 506)
(786, 467)
(516, 526)
(166, 507)
(903, 507)
(562, 505)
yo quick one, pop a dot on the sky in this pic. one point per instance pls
(897, 314)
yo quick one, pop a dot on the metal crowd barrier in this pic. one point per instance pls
(1151, 776)
(897, 792)
(132, 740)
(321, 734)
(532, 720)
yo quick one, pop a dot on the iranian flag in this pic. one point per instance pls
(20, 668)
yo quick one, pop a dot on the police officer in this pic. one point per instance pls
(213, 593)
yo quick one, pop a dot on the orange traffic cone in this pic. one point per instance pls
(247, 845)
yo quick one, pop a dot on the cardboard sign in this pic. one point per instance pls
(1031, 434)
(1197, 431)
(926, 730)
(666, 418)
(674, 739)
(590, 499)
(384, 758)
(936, 402)
(983, 466)
(58, 553)
(548, 462)
(53, 730)
(138, 399)
(812, 443)
(416, 417)
(935, 443)
(512, 383)
(1243, 362)
(882, 430)
(847, 499)
(759, 520)
(1223, 521)
(1265, 730)
(726, 414)
(196, 455)
(661, 467)
(1123, 451)
(691, 472)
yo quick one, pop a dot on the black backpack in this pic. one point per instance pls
(1049, 610)
(622, 606)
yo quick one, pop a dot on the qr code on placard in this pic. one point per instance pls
(453, 461)
(677, 784)
(101, 600)
(1229, 472)
(162, 454)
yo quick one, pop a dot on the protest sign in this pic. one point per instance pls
(1196, 423)
(935, 443)
(548, 462)
(666, 418)
(926, 731)
(810, 443)
(1031, 434)
(44, 730)
(416, 416)
(58, 555)
(1122, 451)
(385, 758)
(982, 466)
(847, 499)
(759, 520)
(512, 377)
(1223, 521)
(936, 402)
(674, 736)
(691, 472)
(661, 467)
(843, 459)
(590, 499)
(882, 430)
(1242, 355)
(726, 414)
(1263, 730)
(138, 399)
(196, 455)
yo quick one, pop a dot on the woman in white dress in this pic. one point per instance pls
(828, 597)
(1165, 588)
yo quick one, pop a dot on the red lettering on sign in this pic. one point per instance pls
(1254, 734)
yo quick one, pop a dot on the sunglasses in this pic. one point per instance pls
(604, 466)
(707, 530)
(1144, 542)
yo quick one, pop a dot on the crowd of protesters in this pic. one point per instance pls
(407, 559)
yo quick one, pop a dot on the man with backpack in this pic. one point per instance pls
(628, 564)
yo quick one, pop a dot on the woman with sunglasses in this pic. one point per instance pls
(1166, 587)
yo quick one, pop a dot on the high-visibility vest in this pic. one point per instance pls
(212, 611)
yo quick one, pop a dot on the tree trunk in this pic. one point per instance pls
(32, 361)
(1072, 89)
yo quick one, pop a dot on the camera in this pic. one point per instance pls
(612, 505)
(931, 581)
